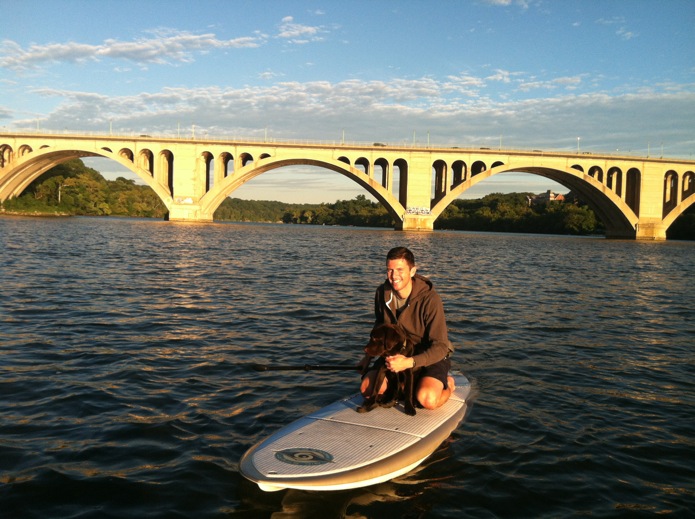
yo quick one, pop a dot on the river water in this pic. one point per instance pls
(126, 391)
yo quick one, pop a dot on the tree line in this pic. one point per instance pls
(71, 188)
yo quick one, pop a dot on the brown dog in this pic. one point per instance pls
(387, 340)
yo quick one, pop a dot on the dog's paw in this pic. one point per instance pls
(365, 408)
(410, 410)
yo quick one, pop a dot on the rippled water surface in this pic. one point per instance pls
(126, 388)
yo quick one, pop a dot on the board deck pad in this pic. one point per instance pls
(337, 438)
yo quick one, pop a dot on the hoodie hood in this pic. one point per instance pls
(421, 287)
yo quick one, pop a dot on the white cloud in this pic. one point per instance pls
(389, 112)
(5, 113)
(161, 46)
(524, 4)
(298, 33)
(567, 83)
(269, 75)
(625, 34)
(166, 46)
(503, 76)
(611, 21)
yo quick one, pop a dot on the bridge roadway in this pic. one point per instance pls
(635, 197)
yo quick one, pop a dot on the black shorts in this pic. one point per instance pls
(439, 370)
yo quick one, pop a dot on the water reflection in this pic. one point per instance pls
(401, 491)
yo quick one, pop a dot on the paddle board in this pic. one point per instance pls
(337, 448)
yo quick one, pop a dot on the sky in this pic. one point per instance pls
(612, 76)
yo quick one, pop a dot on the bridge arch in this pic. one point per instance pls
(403, 176)
(597, 173)
(459, 171)
(439, 179)
(363, 163)
(616, 215)
(126, 153)
(383, 165)
(614, 179)
(670, 191)
(146, 161)
(226, 164)
(632, 189)
(165, 169)
(245, 158)
(6, 154)
(214, 198)
(31, 166)
(688, 184)
(678, 210)
(207, 159)
(478, 167)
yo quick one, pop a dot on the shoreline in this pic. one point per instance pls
(4, 212)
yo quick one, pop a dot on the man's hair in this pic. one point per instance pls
(401, 253)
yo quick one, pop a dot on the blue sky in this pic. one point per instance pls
(618, 74)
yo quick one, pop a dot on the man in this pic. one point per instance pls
(410, 300)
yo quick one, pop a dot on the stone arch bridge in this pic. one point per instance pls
(635, 197)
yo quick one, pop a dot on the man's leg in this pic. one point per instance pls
(368, 382)
(431, 393)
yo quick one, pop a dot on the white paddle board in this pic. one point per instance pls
(337, 448)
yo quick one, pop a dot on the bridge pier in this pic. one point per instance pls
(654, 231)
(416, 222)
(185, 210)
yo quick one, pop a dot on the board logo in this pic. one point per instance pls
(304, 456)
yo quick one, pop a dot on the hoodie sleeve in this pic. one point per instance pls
(435, 345)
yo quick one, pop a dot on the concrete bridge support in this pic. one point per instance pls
(653, 231)
(414, 222)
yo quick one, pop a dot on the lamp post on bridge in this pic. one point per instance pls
(578, 144)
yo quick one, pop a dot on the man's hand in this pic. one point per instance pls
(398, 363)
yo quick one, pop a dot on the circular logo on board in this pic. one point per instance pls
(304, 456)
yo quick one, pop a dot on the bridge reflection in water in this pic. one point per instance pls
(635, 197)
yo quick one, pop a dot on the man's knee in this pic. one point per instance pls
(428, 399)
(368, 382)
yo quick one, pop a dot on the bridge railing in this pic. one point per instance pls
(342, 143)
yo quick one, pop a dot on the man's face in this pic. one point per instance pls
(399, 274)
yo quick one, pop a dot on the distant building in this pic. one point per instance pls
(546, 197)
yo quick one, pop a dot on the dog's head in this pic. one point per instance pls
(385, 340)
